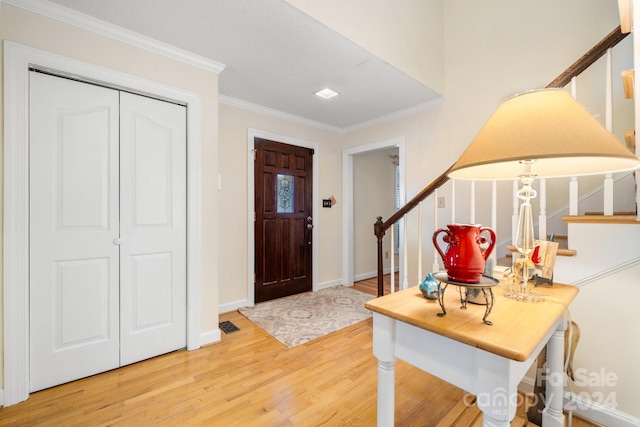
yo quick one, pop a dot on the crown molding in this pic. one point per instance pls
(89, 23)
(435, 103)
(245, 105)
(234, 102)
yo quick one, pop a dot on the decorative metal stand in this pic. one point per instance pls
(484, 286)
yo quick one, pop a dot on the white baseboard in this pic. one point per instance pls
(597, 412)
(587, 409)
(365, 276)
(329, 284)
(232, 306)
(1, 397)
(210, 337)
(526, 385)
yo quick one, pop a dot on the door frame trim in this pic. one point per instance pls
(347, 195)
(17, 61)
(251, 135)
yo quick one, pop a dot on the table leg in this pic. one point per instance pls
(489, 300)
(490, 422)
(384, 336)
(386, 393)
(497, 391)
(441, 289)
(552, 414)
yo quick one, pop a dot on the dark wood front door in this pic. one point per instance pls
(284, 219)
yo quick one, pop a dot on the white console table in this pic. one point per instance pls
(488, 361)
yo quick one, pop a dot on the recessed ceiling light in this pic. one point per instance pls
(326, 93)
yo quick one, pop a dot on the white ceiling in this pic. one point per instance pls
(276, 56)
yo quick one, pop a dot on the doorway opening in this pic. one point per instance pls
(348, 236)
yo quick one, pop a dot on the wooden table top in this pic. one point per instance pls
(518, 327)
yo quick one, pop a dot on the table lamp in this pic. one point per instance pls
(542, 133)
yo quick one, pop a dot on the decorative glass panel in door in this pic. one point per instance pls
(285, 193)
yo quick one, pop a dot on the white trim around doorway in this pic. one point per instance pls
(347, 195)
(251, 135)
(17, 61)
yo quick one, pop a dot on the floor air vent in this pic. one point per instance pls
(227, 326)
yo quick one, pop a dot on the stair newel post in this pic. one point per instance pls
(379, 232)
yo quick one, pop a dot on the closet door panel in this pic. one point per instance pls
(153, 227)
(73, 197)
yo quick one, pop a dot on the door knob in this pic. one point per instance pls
(309, 226)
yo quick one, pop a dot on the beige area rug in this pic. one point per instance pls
(304, 317)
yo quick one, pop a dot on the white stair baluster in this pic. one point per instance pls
(573, 184)
(608, 194)
(435, 267)
(472, 212)
(392, 273)
(405, 264)
(608, 180)
(514, 213)
(636, 98)
(420, 242)
(494, 215)
(573, 196)
(453, 201)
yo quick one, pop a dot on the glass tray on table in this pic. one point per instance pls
(484, 286)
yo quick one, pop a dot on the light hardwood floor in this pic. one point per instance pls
(250, 379)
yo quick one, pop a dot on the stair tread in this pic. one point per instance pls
(602, 219)
(561, 252)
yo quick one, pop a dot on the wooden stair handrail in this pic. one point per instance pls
(595, 53)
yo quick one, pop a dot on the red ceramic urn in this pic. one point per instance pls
(464, 259)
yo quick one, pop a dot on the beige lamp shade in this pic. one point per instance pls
(549, 128)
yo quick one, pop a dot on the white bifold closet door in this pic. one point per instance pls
(107, 229)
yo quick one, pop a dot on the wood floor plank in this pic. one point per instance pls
(247, 379)
(456, 412)
(468, 417)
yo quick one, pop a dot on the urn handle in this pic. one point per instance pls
(492, 242)
(449, 238)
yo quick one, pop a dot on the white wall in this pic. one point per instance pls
(608, 353)
(605, 309)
